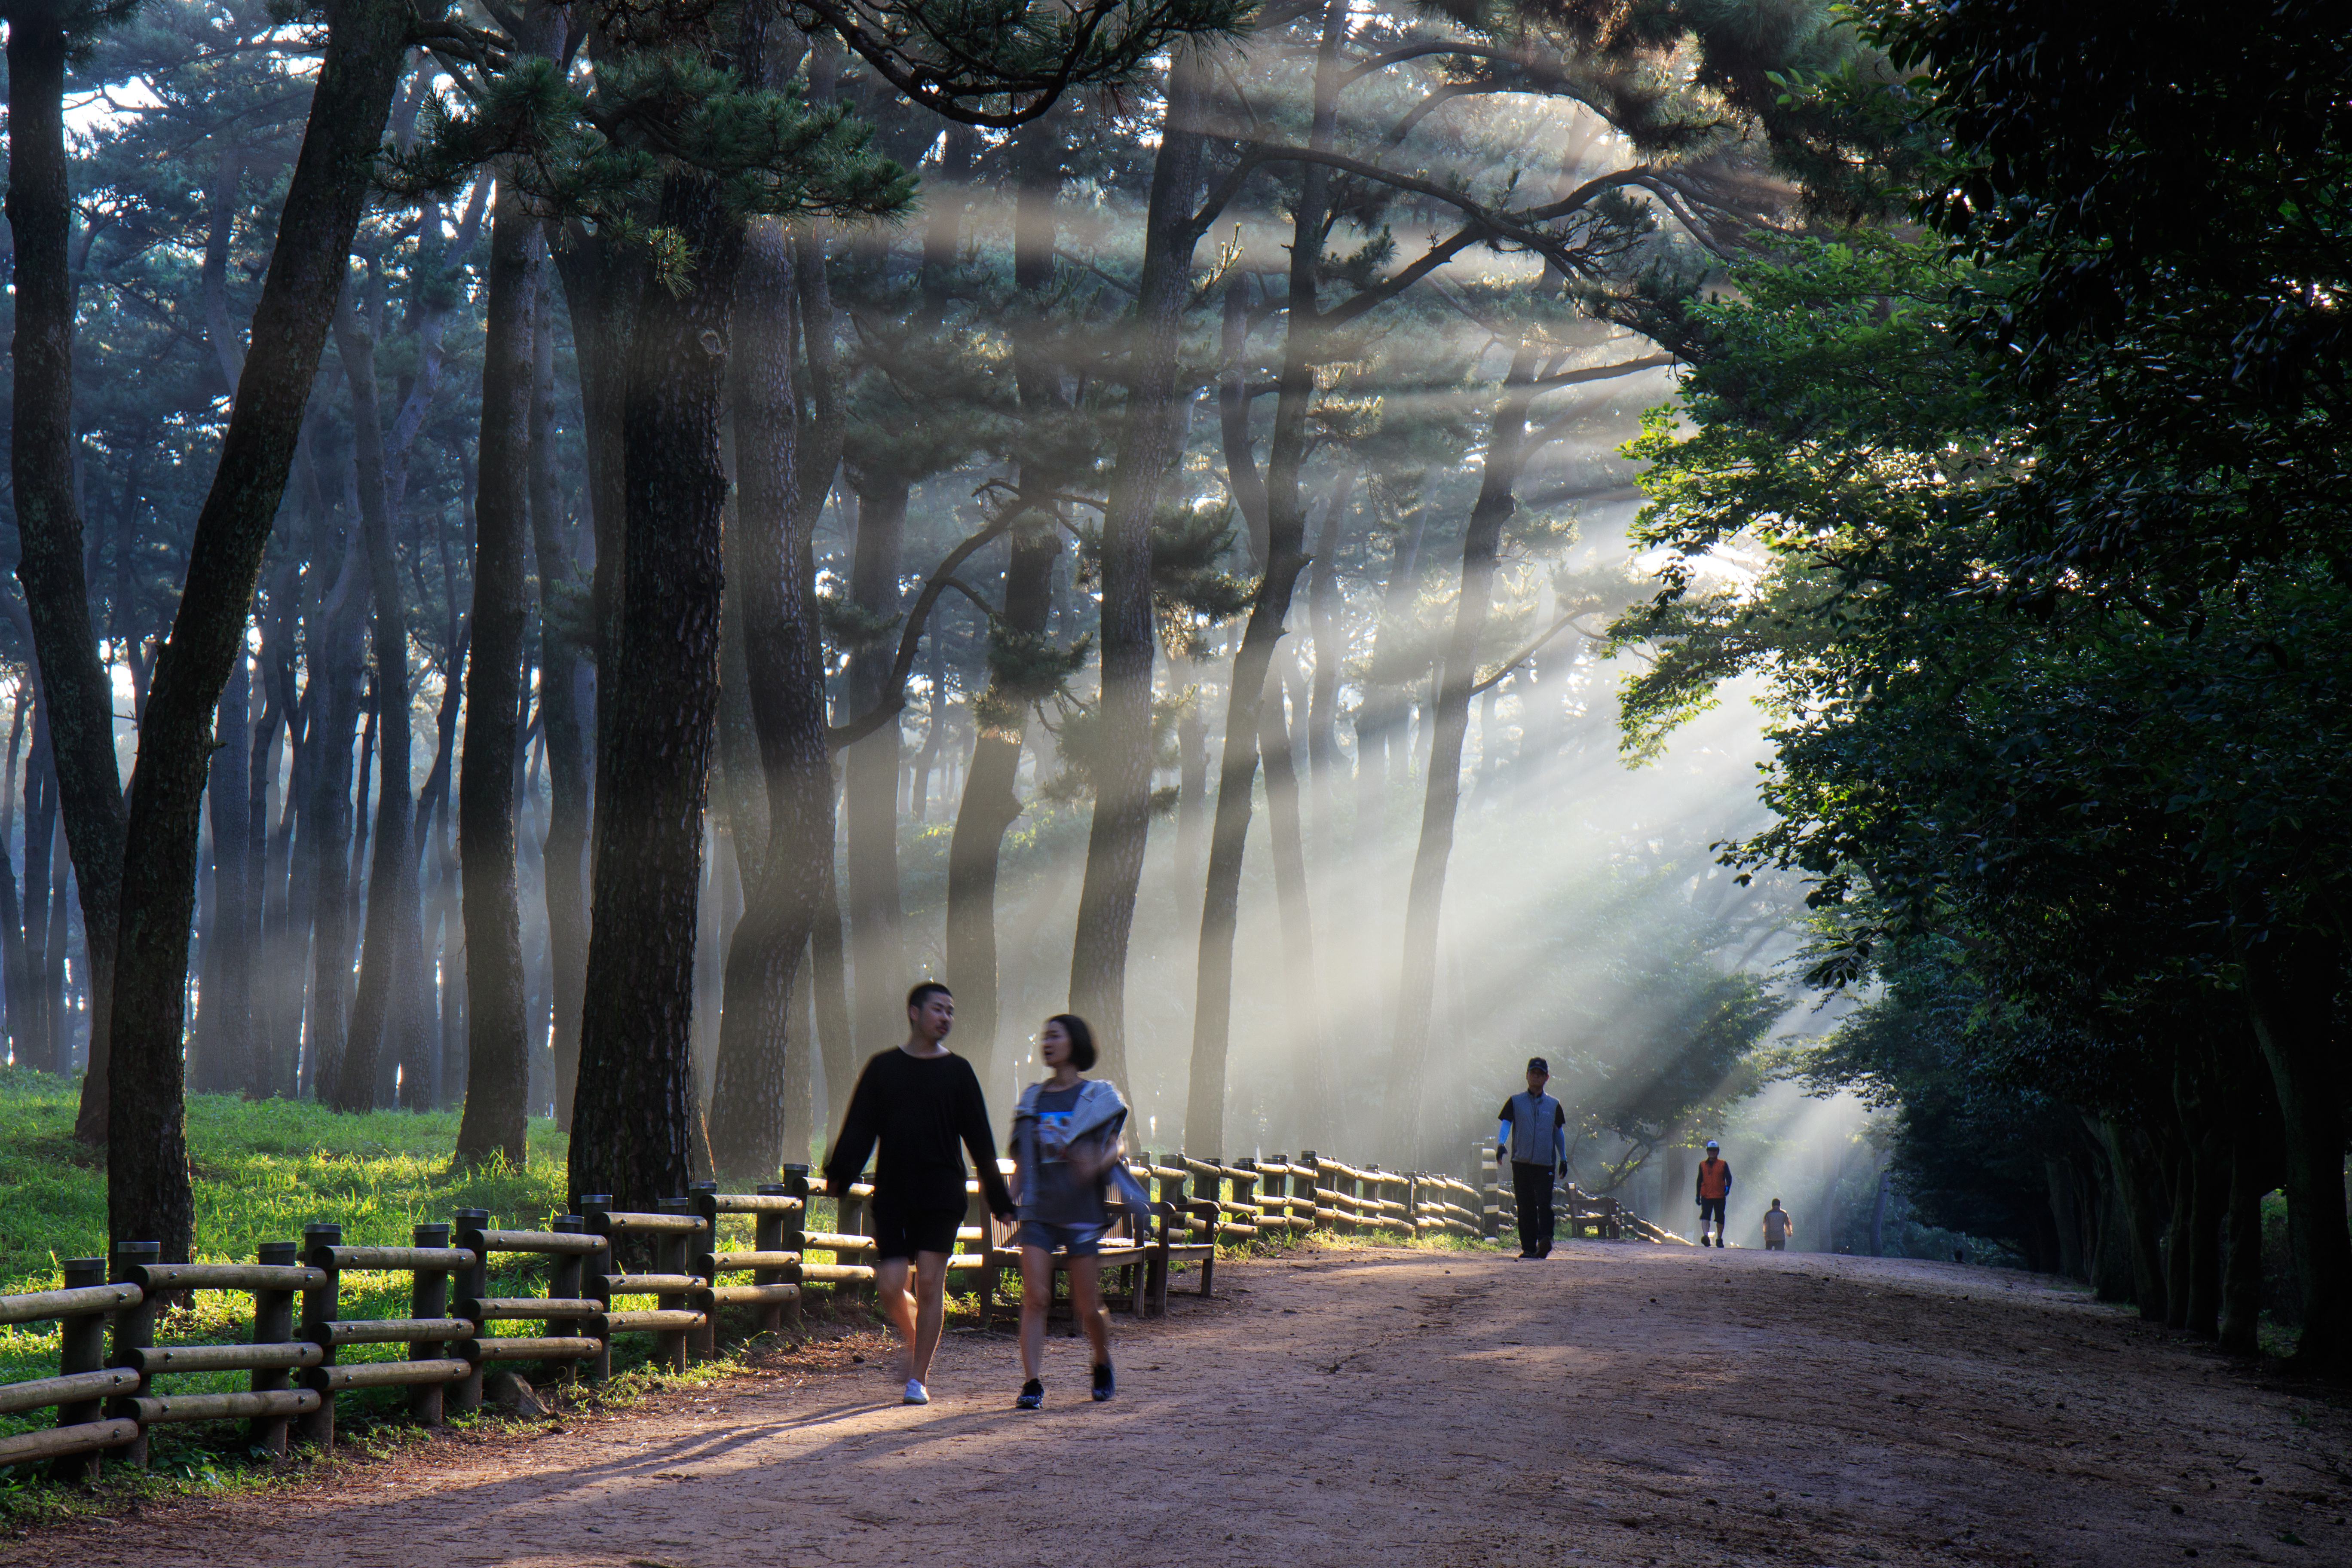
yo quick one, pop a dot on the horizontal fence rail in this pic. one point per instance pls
(665, 1275)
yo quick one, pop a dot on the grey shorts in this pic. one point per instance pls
(1078, 1240)
(1776, 1244)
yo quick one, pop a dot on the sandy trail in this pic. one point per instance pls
(1615, 1404)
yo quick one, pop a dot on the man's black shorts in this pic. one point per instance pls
(902, 1233)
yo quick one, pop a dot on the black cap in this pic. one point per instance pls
(1537, 1064)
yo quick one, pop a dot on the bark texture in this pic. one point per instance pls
(77, 695)
(636, 1131)
(869, 774)
(752, 1085)
(563, 869)
(497, 1057)
(392, 936)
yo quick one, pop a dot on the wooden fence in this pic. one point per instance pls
(1574, 1209)
(115, 1382)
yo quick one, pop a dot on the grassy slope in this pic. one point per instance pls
(262, 1173)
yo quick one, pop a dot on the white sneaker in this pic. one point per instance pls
(915, 1392)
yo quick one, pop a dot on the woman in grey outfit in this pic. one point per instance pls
(1066, 1140)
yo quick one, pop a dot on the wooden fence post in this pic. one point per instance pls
(565, 1272)
(134, 1329)
(1303, 1186)
(82, 1348)
(670, 1252)
(321, 1304)
(595, 1210)
(703, 1201)
(428, 1297)
(792, 1236)
(473, 1284)
(767, 1236)
(273, 1324)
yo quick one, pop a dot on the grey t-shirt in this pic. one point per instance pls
(1054, 1194)
(1776, 1223)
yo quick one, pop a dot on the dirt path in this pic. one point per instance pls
(1616, 1405)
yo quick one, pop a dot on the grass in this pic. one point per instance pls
(262, 1172)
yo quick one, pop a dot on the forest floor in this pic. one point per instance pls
(1617, 1403)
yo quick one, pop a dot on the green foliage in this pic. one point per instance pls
(1192, 592)
(599, 153)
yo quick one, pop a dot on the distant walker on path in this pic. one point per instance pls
(1779, 1226)
(1714, 1192)
(918, 1100)
(1533, 1134)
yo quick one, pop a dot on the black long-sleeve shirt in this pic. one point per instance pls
(918, 1108)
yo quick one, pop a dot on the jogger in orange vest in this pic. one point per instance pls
(1714, 1190)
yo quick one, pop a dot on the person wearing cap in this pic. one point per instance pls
(1533, 1135)
(1714, 1192)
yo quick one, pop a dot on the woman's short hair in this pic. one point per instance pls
(1082, 1039)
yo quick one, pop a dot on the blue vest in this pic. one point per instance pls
(1533, 1118)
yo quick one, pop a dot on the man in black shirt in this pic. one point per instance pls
(918, 1101)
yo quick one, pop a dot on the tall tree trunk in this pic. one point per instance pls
(877, 956)
(823, 428)
(1323, 610)
(1151, 442)
(392, 934)
(77, 695)
(2255, 1168)
(336, 712)
(828, 960)
(1417, 966)
(1285, 559)
(1000, 716)
(1235, 396)
(564, 853)
(1305, 1009)
(148, 1194)
(636, 1131)
(604, 281)
(498, 1055)
(2200, 1097)
(1380, 714)
(1192, 783)
(783, 892)
(221, 1054)
(2138, 1188)
(276, 975)
(15, 973)
(988, 810)
(43, 1049)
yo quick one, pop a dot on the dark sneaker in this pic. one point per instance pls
(1545, 1250)
(1033, 1396)
(1105, 1384)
